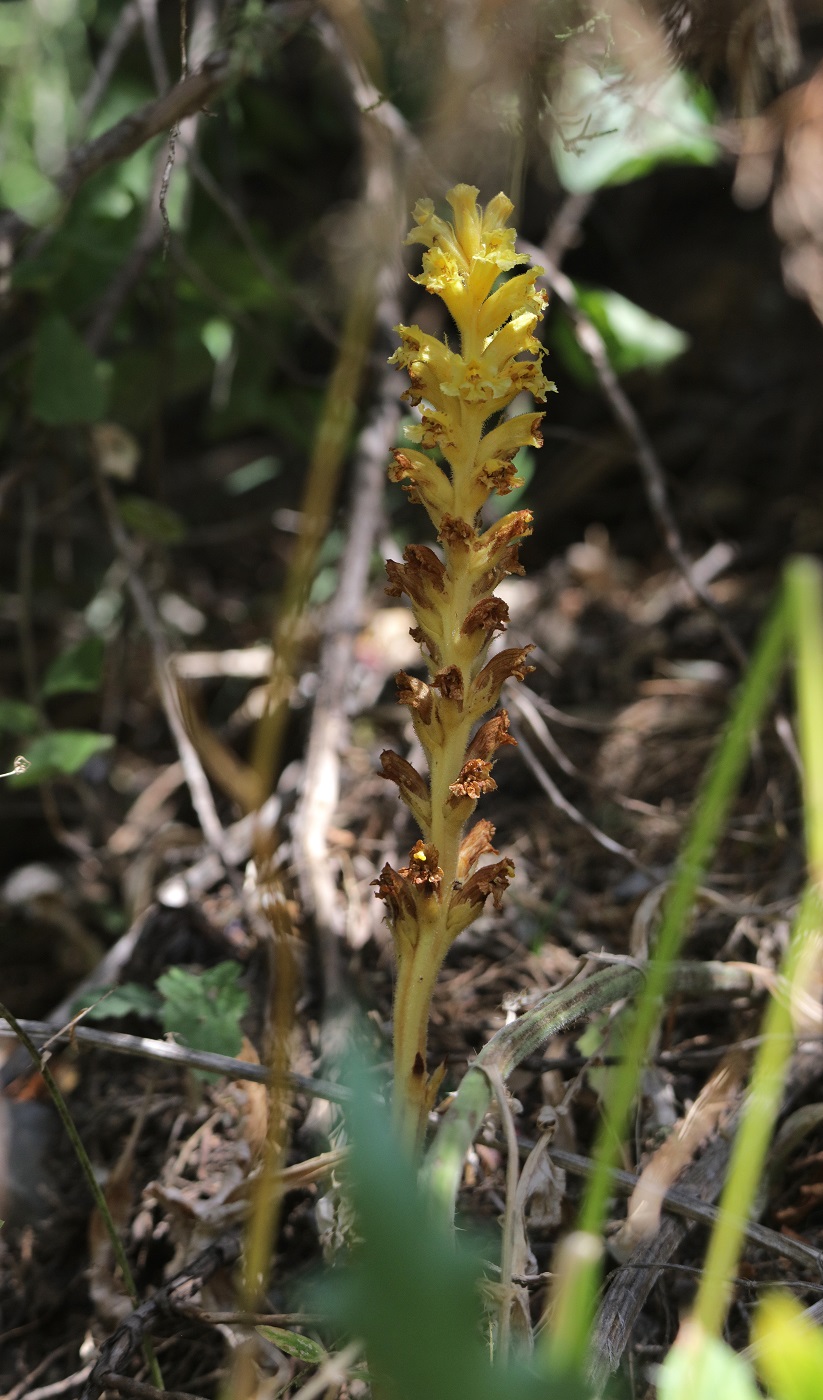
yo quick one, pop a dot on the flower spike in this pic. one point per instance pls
(463, 396)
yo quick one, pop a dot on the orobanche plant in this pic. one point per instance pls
(464, 395)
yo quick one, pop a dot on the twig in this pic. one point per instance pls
(131, 270)
(328, 734)
(114, 1353)
(628, 1289)
(87, 1169)
(654, 483)
(150, 120)
(61, 1387)
(565, 229)
(563, 804)
(154, 44)
(689, 1206)
(509, 1216)
(332, 1372)
(128, 135)
(251, 1319)
(155, 226)
(196, 780)
(554, 1013)
(23, 1387)
(144, 1048)
(113, 50)
(125, 1385)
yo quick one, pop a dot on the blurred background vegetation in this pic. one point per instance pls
(201, 262)
(195, 194)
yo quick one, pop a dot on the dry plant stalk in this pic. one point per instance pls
(442, 890)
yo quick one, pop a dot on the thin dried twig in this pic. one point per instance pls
(122, 1344)
(555, 1012)
(329, 727)
(331, 1373)
(509, 1218)
(154, 227)
(129, 134)
(112, 52)
(126, 1385)
(563, 804)
(699, 1185)
(196, 780)
(145, 1048)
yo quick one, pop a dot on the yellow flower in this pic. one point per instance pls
(441, 890)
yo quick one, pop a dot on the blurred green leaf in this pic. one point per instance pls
(128, 1000)
(16, 717)
(218, 337)
(701, 1367)
(303, 1348)
(63, 752)
(154, 521)
(205, 1008)
(412, 1293)
(253, 474)
(634, 339)
(789, 1350)
(612, 131)
(27, 191)
(79, 668)
(12, 28)
(68, 383)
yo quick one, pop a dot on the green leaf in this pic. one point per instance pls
(79, 668)
(149, 518)
(412, 1293)
(700, 1367)
(253, 474)
(634, 339)
(16, 717)
(69, 385)
(614, 131)
(27, 191)
(303, 1348)
(128, 1000)
(218, 337)
(789, 1349)
(205, 1008)
(65, 751)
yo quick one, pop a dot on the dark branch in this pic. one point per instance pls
(129, 134)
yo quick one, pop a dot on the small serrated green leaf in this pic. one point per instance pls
(79, 668)
(16, 717)
(204, 1008)
(149, 518)
(69, 385)
(63, 752)
(302, 1348)
(130, 999)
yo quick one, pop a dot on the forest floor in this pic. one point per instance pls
(634, 678)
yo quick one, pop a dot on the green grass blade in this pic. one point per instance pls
(710, 815)
(804, 612)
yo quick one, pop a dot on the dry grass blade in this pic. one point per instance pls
(716, 1101)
